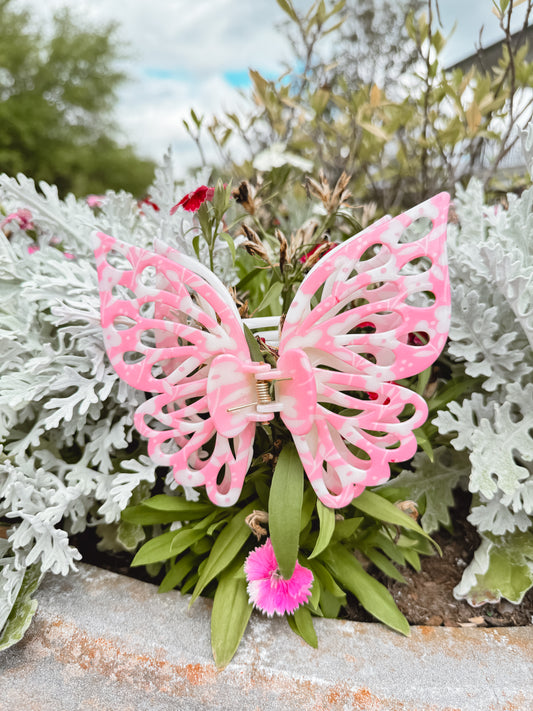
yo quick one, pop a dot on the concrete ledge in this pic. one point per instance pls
(103, 641)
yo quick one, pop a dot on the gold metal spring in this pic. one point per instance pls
(263, 392)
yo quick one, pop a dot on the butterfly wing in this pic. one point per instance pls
(371, 311)
(172, 330)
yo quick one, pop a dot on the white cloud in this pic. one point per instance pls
(470, 17)
(156, 120)
(179, 51)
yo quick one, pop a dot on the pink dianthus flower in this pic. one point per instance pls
(268, 591)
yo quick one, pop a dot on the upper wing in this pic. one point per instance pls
(171, 328)
(365, 301)
(373, 310)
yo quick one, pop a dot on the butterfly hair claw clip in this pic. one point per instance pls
(373, 310)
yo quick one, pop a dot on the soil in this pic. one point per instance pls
(426, 598)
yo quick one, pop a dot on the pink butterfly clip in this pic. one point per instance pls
(372, 310)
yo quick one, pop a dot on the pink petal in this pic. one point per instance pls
(267, 590)
(22, 217)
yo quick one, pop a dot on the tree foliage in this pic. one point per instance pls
(400, 140)
(374, 46)
(57, 91)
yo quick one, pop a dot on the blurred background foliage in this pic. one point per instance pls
(368, 94)
(57, 93)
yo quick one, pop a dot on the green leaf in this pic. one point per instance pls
(253, 345)
(422, 381)
(166, 546)
(301, 622)
(452, 390)
(374, 130)
(130, 535)
(373, 596)
(327, 581)
(229, 617)
(189, 582)
(284, 508)
(379, 539)
(287, 7)
(433, 483)
(179, 505)
(330, 605)
(155, 550)
(424, 442)
(334, 27)
(412, 558)
(145, 516)
(346, 528)
(326, 517)
(213, 519)
(504, 4)
(153, 569)
(315, 590)
(321, 13)
(320, 100)
(249, 278)
(204, 218)
(351, 221)
(197, 120)
(259, 82)
(502, 567)
(204, 544)
(271, 299)
(178, 571)
(23, 609)
(376, 506)
(231, 244)
(196, 245)
(308, 506)
(185, 539)
(383, 563)
(228, 544)
(337, 8)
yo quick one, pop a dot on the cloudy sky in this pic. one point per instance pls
(187, 54)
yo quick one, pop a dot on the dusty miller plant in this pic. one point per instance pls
(68, 454)
(491, 430)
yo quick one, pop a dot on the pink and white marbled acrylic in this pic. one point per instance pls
(373, 310)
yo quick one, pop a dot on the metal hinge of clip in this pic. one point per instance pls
(263, 394)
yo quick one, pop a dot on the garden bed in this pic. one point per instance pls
(426, 596)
